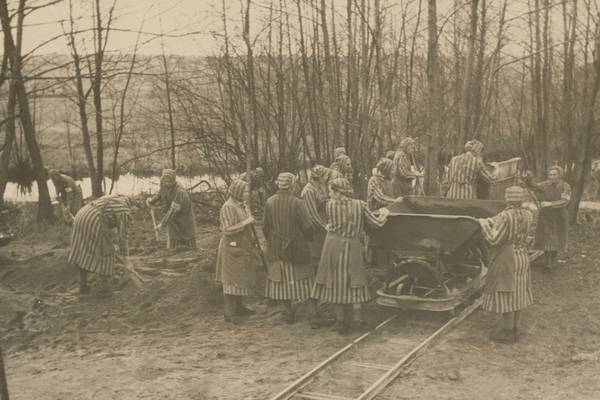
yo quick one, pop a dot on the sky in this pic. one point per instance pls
(189, 22)
(192, 27)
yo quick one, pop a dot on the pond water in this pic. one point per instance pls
(127, 184)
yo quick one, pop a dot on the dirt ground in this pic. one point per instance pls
(168, 339)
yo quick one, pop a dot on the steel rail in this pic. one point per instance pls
(295, 389)
(305, 379)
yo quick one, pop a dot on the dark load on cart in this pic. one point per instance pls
(5, 238)
(435, 252)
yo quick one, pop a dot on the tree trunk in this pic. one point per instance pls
(468, 75)
(434, 103)
(3, 385)
(583, 159)
(97, 93)
(44, 205)
(9, 138)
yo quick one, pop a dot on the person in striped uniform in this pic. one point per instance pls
(256, 181)
(178, 212)
(314, 194)
(403, 175)
(464, 171)
(237, 257)
(341, 277)
(552, 227)
(288, 228)
(92, 247)
(508, 287)
(68, 193)
(342, 163)
(379, 186)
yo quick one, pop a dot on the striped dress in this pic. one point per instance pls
(510, 228)
(236, 260)
(341, 277)
(403, 175)
(92, 247)
(178, 216)
(376, 192)
(287, 228)
(552, 230)
(315, 200)
(463, 172)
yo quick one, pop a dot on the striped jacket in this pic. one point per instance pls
(92, 247)
(178, 214)
(463, 172)
(346, 218)
(315, 200)
(287, 228)
(508, 286)
(376, 193)
(402, 166)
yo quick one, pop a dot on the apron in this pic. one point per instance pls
(348, 251)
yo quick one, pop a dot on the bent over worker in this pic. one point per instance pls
(379, 184)
(92, 248)
(341, 277)
(237, 258)
(508, 287)
(68, 193)
(287, 228)
(178, 213)
(552, 228)
(465, 170)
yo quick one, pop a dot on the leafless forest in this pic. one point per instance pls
(294, 79)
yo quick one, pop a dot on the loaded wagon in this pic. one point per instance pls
(434, 252)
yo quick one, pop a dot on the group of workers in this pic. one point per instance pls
(314, 249)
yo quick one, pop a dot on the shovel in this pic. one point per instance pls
(156, 233)
(135, 277)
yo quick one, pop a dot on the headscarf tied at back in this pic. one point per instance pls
(237, 189)
(384, 166)
(474, 146)
(558, 169)
(285, 180)
(168, 176)
(515, 194)
(406, 143)
(390, 154)
(345, 164)
(342, 185)
(319, 172)
(338, 152)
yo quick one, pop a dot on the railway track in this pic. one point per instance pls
(366, 366)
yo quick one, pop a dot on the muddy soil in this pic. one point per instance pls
(168, 340)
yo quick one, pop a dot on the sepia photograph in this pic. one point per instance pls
(300, 199)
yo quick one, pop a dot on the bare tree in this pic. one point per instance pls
(14, 55)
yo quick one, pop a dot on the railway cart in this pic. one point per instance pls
(434, 251)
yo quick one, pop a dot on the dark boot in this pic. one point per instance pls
(550, 257)
(289, 315)
(316, 319)
(230, 308)
(516, 328)
(83, 285)
(342, 325)
(503, 335)
(240, 309)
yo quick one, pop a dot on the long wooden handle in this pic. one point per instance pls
(156, 235)
(262, 255)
